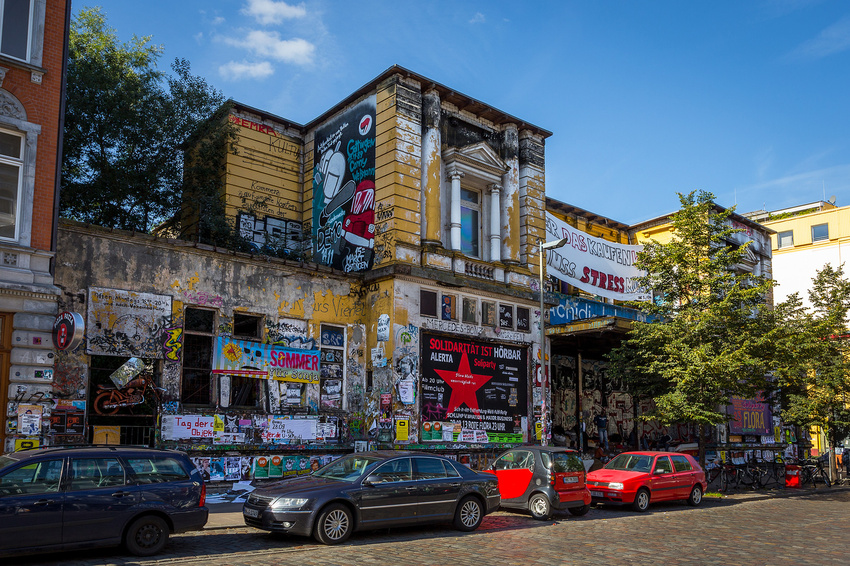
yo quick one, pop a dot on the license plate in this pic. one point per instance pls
(251, 512)
(596, 494)
(571, 479)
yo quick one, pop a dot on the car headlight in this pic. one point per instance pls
(615, 485)
(287, 503)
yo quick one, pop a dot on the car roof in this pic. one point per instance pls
(535, 448)
(84, 450)
(654, 453)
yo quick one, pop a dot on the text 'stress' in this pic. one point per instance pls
(478, 385)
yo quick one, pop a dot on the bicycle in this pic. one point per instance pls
(813, 470)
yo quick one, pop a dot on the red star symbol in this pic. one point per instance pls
(464, 385)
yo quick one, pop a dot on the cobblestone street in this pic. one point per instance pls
(806, 528)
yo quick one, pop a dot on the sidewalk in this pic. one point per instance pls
(225, 516)
(229, 515)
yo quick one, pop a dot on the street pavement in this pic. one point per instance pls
(783, 528)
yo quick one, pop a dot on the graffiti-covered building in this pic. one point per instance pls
(405, 315)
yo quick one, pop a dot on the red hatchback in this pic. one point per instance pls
(636, 478)
(542, 479)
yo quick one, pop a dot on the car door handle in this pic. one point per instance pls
(42, 502)
(454, 484)
(121, 493)
(411, 488)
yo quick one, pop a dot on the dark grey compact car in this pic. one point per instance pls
(370, 490)
(65, 498)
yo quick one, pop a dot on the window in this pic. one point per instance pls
(157, 469)
(566, 463)
(470, 310)
(332, 366)
(92, 473)
(427, 303)
(785, 239)
(506, 316)
(681, 464)
(449, 307)
(429, 468)
(820, 232)
(395, 471)
(488, 314)
(32, 479)
(198, 340)
(15, 28)
(523, 319)
(248, 326)
(515, 460)
(470, 230)
(662, 465)
(11, 167)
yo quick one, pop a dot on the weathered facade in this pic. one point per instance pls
(408, 319)
(34, 38)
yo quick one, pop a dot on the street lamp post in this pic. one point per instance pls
(544, 390)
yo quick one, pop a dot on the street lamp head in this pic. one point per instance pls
(554, 244)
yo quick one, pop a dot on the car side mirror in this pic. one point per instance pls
(372, 480)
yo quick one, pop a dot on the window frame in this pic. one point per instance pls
(211, 335)
(475, 207)
(20, 163)
(341, 351)
(29, 32)
(430, 292)
(257, 318)
(779, 238)
(820, 239)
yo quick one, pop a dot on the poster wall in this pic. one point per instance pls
(592, 264)
(344, 189)
(477, 385)
(252, 359)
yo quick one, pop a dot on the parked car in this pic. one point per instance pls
(542, 479)
(638, 478)
(65, 498)
(370, 490)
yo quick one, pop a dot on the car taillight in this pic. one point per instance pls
(203, 495)
(552, 479)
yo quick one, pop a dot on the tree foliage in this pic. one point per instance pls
(125, 125)
(712, 339)
(815, 353)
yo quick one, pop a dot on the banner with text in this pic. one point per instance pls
(481, 386)
(592, 264)
(251, 359)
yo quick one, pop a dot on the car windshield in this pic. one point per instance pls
(6, 460)
(347, 468)
(630, 463)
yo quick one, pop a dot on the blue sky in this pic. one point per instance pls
(747, 100)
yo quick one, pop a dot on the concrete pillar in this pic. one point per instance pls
(455, 176)
(495, 224)
(431, 227)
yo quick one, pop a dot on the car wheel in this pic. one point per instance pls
(468, 514)
(641, 503)
(539, 507)
(579, 511)
(696, 496)
(146, 536)
(334, 525)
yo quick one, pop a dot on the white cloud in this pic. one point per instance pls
(269, 44)
(218, 20)
(235, 70)
(834, 39)
(199, 37)
(478, 18)
(269, 12)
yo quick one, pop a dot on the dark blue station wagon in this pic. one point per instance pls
(66, 498)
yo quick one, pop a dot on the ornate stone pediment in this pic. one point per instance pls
(11, 106)
(477, 160)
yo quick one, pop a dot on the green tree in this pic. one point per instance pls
(815, 351)
(125, 125)
(712, 339)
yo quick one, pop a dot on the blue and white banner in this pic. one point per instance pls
(592, 264)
